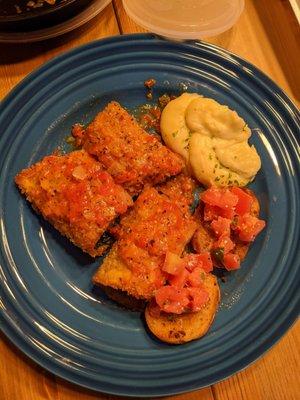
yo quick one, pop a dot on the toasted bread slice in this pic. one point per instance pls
(132, 156)
(177, 329)
(76, 196)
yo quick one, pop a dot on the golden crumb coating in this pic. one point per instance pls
(181, 187)
(132, 156)
(155, 225)
(75, 195)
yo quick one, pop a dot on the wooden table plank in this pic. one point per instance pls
(275, 376)
(22, 379)
(18, 60)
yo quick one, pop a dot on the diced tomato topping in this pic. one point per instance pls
(206, 260)
(213, 212)
(194, 278)
(156, 112)
(171, 299)
(78, 130)
(227, 213)
(202, 260)
(141, 241)
(225, 243)
(249, 227)
(179, 280)
(231, 261)
(173, 264)
(76, 196)
(198, 297)
(210, 212)
(104, 177)
(245, 201)
(184, 291)
(220, 197)
(221, 226)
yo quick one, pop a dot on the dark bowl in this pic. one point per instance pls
(16, 15)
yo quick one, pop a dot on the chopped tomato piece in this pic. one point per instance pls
(198, 297)
(210, 212)
(213, 212)
(171, 299)
(231, 261)
(194, 278)
(78, 132)
(173, 264)
(179, 280)
(76, 195)
(225, 243)
(227, 213)
(221, 226)
(202, 260)
(244, 203)
(249, 227)
(220, 197)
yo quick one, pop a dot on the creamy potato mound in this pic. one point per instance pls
(212, 139)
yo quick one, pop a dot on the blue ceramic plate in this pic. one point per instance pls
(49, 307)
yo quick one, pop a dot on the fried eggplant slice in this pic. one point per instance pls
(132, 156)
(181, 187)
(156, 224)
(182, 328)
(123, 299)
(76, 196)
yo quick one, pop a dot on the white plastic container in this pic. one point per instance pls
(185, 19)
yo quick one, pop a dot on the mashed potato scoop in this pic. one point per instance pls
(212, 138)
(174, 129)
(212, 119)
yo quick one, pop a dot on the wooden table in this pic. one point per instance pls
(267, 35)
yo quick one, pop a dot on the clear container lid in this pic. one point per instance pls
(185, 19)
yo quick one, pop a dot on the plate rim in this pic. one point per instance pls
(18, 88)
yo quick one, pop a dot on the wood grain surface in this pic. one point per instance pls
(267, 34)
